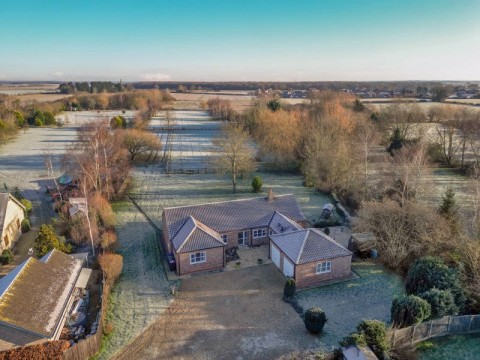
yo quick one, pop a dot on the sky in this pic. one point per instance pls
(239, 40)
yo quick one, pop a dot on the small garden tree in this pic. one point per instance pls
(442, 302)
(111, 265)
(28, 206)
(289, 289)
(409, 310)
(257, 184)
(26, 225)
(375, 334)
(274, 105)
(47, 240)
(315, 319)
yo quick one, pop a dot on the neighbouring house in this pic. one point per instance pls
(198, 235)
(78, 206)
(310, 257)
(12, 213)
(35, 298)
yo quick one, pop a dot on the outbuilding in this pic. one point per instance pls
(310, 257)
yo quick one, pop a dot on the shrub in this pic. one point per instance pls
(38, 122)
(442, 302)
(354, 339)
(409, 310)
(118, 122)
(28, 206)
(49, 118)
(427, 273)
(274, 105)
(315, 320)
(290, 288)
(430, 272)
(6, 257)
(257, 184)
(111, 265)
(108, 240)
(375, 333)
(26, 225)
(48, 240)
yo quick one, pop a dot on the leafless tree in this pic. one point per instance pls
(236, 155)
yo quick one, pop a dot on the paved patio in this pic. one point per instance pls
(249, 256)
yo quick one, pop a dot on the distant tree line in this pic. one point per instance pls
(93, 87)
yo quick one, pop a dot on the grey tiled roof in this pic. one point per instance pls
(194, 235)
(233, 215)
(304, 246)
(281, 224)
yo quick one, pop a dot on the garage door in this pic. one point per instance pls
(287, 267)
(275, 255)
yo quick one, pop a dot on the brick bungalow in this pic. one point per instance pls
(199, 235)
(310, 257)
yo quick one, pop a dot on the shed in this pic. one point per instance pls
(361, 242)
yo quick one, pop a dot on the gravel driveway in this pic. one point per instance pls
(226, 315)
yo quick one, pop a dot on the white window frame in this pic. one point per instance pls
(324, 267)
(225, 238)
(202, 257)
(244, 237)
(259, 233)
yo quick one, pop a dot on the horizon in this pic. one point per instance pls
(244, 41)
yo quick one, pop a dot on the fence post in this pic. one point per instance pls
(430, 330)
(470, 323)
(448, 327)
(413, 334)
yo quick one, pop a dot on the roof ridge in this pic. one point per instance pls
(307, 232)
(224, 201)
(189, 234)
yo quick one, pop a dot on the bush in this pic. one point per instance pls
(289, 288)
(375, 333)
(274, 105)
(442, 302)
(354, 339)
(111, 265)
(257, 184)
(28, 206)
(38, 122)
(117, 122)
(26, 225)
(430, 272)
(6, 257)
(315, 320)
(49, 118)
(427, 273)
(409, 310)
(48, 240)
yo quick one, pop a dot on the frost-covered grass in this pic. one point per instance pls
(451, 348)
(143, 291)
(346, 304)
(155, 191)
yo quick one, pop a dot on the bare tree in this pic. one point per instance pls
(138, 142)
(236, 155)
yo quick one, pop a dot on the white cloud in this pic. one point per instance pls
(155, 77)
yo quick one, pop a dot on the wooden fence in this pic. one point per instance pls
(88, 347)
(447, 325)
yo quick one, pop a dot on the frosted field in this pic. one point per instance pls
(191, 139)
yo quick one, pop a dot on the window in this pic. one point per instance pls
(271, 232)
(198, 257)
(324, 267)
(242, 238)
(258, 233)
(225, 238)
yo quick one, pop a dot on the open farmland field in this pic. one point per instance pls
(464, 101)
(26, 99)
(423, 105)
(19, 89)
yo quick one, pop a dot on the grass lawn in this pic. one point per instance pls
(143, 292)
(451, 348)
(367, 297)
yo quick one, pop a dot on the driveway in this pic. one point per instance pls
(226, 315)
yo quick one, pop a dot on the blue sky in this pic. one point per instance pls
(206, 40)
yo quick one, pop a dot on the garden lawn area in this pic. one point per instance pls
(142, 292)
(347, 303)
(465, 347)
(155, 191)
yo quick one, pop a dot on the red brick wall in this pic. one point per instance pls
(215, 259)
(305, 274)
